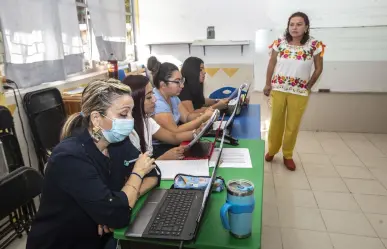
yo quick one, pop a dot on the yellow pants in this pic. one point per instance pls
(286, 113)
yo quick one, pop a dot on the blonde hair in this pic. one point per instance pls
(97, 96)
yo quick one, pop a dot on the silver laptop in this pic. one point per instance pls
(172, 214)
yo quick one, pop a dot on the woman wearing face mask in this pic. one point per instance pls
(288, 82)
(169, 112)
(145, 127)
(192, 95)
(76, 198)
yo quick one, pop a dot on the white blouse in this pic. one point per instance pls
(150, 128)
(294, 65)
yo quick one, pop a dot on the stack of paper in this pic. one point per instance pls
(232, 158)
(170, 168)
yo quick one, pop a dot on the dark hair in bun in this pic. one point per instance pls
(160, 71)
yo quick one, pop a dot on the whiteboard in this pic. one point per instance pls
(355, 59)
(330, 13)
(186, 20)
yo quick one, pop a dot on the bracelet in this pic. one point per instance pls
(134, 173)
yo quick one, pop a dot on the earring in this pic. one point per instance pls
(96, 134)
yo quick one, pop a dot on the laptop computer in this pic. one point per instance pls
(197, 149)
(172, 214)
(245, 95)
(228, 124)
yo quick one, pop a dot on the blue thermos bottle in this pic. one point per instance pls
(236, 213)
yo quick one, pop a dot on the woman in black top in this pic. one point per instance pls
(77, 203)
(192, 95)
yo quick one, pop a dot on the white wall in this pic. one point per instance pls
(184, 20)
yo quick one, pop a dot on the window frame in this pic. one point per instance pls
(2, 53)
(130, 13)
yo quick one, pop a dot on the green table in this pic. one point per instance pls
(211, 233)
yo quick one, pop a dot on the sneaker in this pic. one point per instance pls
(290, 165)
(269, 158)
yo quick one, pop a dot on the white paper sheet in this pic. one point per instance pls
(170, 168)
(232, 158)
(216, 125)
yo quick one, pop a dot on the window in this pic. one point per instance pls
(130, 49)
(85, 31)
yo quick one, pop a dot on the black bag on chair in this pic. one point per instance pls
(46, 115)
(9, 139)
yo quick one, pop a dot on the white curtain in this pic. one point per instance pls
(72, 43)
(42, 40)
(108, 23)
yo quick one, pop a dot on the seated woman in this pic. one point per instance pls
(145, 127)
(169, 112)
(192, 95)
(77, 202)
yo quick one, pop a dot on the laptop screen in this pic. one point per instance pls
(233, 114)
(214, 117)
(213, 176)
(236, 91)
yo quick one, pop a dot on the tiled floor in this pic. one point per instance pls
(337, 197)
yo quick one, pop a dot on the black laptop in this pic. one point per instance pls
(197, 149)
(172, 214)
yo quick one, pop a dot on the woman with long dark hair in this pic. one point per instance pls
(288, 82)
(146, 128)
(192, 95)
(169, 112)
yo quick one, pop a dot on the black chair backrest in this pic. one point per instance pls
(9, 139)
(18, 188)
(6, 120)
(12, 151)
(46, 114)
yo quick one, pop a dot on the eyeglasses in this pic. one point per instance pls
(181, 82)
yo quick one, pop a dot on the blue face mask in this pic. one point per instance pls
(121, 128)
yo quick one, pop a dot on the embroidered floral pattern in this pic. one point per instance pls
(294, 65)
(297, 52)
(289, 84)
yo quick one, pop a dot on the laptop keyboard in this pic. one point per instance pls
(173, 214)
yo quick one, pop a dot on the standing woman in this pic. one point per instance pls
(288, 82)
